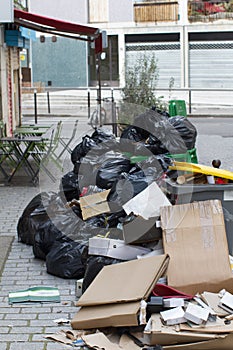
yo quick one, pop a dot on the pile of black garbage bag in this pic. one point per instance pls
(52, 222)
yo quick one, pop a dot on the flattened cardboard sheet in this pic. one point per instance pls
(113, 298)
(194, 236)
(100, 316)
(222, 343)
(125, 282)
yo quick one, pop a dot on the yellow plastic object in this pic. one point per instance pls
(202, 169)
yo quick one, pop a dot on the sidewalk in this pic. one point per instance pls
(23, 323)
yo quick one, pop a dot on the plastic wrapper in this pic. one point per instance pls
(94, 266)
(67, 260)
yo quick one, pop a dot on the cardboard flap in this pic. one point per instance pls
(94, 204)
(128, 281)
(99, 341)
(194, 236)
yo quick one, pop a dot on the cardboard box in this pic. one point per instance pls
(94, 204)
(113, 298)
(115, 248)
(194, 236)
(173, 302)
(141, 230)
(173, 316)
(226, 302)
(196, 314)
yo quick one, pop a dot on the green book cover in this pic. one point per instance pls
(41, 294)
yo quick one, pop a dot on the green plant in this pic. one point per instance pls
(139, 90)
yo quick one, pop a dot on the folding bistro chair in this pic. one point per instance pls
(6, 153)
(41, 156)
(66, 145)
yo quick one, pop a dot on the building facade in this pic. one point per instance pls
(192, 42)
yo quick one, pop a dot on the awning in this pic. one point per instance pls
(57, 27)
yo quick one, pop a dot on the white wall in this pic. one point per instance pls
(68, 10)
(121, 11)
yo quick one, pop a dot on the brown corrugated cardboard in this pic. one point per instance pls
(130, 281)
(99, 341)
(212, 300)
(94, 204)
(223, 343)
(168, 335)
(113, 298)
(112, 315)
(194, 236)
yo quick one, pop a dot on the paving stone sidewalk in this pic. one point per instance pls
(24, 325)
(21, 324)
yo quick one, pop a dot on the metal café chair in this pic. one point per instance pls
(41, 156)
(66, 145)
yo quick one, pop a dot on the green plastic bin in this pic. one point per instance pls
(177, 107)
(190, 156)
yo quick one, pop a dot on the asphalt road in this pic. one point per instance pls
(214, 140)
(214, 136)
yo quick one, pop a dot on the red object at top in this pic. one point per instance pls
(162, 290)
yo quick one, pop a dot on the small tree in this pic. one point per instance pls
(139, 91)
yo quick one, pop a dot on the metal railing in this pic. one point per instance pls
(156, 11)
(80, 101)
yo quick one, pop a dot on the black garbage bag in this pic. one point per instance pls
(45, 237)
(82, 148)
(33, 214)
(155, 166)
(113, 165)
(155, 146)
(69, 186)
(186, 129)
(107, 220)
(94, 266)
(100, 135)
(132, 133)
(62, 224)
(67, 260)
(159, 127)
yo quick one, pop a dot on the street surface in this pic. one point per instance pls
(24, 326)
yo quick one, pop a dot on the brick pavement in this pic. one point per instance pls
(24, 325)
(21, 324)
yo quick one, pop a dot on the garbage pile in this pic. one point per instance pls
(154, 270)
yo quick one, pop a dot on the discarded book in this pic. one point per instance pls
(40, 294)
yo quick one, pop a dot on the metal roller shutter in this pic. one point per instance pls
(168, 60)
(211, 64)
